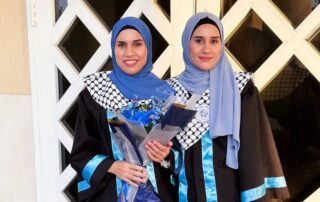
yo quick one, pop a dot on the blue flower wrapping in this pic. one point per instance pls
(144, 193)
(177, 116)
(126, 143)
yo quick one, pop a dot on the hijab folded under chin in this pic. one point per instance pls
(143, 84)
(224, 119)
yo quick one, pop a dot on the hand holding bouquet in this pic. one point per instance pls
(154, 120)
(139, 123)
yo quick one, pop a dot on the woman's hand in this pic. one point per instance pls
(156, 151)
(130, 173)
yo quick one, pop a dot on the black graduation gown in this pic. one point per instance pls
(92, 144)
(259, 164)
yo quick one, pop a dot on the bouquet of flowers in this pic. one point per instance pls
(148, 113)
(139, 123)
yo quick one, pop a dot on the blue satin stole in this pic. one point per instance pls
(208, 172)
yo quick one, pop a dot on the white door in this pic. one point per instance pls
(69, 39)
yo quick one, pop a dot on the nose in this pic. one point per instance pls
(206, 47)
(129, 51)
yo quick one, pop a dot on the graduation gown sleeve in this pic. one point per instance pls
(91, 154)
(260, 172)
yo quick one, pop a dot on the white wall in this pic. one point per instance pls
(17, 172)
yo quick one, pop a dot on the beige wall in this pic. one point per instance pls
(14, 68)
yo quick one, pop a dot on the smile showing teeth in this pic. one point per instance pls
(130, 62)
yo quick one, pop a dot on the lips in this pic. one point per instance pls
(130, 63)
(205, 59)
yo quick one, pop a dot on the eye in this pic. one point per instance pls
(198, 41)
(138, 43)
(120, 45)
(215, 41)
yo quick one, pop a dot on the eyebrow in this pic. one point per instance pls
(201, 37)
(134, 41)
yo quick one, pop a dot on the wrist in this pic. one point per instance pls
(112, 168)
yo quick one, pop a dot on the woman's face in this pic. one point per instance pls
(130, 51)
(205, 47)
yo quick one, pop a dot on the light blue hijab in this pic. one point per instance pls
(225, 101)
(144, 84)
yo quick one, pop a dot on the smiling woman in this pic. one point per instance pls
(130, 51)
(103, 172)
(228, 149)
(205, 46)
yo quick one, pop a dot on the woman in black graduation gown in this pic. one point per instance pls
(99, 164)
(228, 149)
